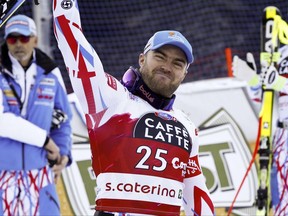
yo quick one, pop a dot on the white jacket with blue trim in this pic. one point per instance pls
(23, 131)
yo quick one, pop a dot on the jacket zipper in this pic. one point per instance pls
(52, 199)
(23, 161)
(23, 146)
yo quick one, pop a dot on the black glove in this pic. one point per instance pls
(52, 162)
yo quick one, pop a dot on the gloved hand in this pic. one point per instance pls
(270, 78)
(245, 70)
(59, 166)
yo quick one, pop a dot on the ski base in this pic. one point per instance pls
(8, 8)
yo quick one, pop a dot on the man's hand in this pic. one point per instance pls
(53, 152)
(271, 79)
(245, 70)
(57, 168)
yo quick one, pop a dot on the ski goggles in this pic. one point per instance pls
(130, 79)
(12, 39)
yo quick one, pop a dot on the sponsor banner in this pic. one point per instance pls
(80, 181)
(202, 99)
(224, 157)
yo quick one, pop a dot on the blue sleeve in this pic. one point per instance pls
(62, 136)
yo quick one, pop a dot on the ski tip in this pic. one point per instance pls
(8, 8)
(271, 8)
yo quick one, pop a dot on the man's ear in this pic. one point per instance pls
(36, 41)
(141, 59)
(184, 75)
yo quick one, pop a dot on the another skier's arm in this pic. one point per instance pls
(245, 70)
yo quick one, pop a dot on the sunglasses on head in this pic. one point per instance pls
(12, 39)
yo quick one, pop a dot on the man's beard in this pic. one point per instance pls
(21, 55)
(157, 85)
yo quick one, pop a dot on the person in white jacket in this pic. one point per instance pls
(33, 129)
(274, 79)
(144, 151)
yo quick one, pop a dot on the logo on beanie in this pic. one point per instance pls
(173, 36)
